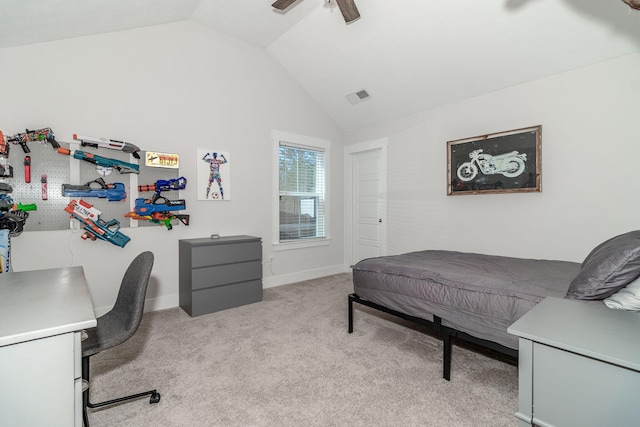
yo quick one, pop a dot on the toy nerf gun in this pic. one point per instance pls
(157, 209)
(158, 204)
(6, 171)
(96, 228)
(91, 141)
(42, 135)
(98, 188)
(4, 147)
(13, 217)
(6, 205)
(165, 185)
(120, 166)
(14, 221)
(160, 218)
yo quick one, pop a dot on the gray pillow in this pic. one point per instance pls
(609, 267)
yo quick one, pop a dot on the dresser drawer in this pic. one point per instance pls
(202, 256)
(218, 275)
(210, 300)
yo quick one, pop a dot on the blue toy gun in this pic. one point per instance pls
(158, 204)
(96, 228)
(165, 185)
(97, 188)
(120, 166)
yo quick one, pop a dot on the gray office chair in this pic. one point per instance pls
(118, 325)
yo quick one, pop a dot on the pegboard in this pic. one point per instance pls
(65, 169)
(45, 159)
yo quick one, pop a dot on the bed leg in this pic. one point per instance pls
(446, 357)
(350, 314)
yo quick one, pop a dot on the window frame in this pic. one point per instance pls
(304, 142)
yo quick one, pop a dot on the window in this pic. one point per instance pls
(302, 199)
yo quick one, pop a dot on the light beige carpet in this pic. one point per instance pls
(289, 361)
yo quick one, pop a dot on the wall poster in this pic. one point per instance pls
(214, 181)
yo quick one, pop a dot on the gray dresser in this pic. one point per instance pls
(579, 365)
(216, 274)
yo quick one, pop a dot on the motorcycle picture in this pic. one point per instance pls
(511, 165)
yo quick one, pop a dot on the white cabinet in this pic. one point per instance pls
(41, 316)
(39, 383)
(579, 365)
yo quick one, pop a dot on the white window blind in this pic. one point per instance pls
(301, 192)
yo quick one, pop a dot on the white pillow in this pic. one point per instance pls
(627, 298)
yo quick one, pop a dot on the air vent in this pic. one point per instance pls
(358, 96)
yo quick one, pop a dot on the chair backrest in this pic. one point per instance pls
(122, 321)
(129, 306)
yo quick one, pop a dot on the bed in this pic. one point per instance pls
(476, 297)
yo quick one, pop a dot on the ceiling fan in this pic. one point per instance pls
(347, 7)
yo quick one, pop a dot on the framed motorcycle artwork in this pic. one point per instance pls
(504, 162)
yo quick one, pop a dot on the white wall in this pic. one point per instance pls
(170, 88)
(590, 153)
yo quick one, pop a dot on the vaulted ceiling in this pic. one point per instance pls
(409, 55)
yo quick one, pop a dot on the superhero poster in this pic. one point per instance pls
(213, 175)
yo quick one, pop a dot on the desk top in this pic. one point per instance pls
(585, 328)
(43, 303)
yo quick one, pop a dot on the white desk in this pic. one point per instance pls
(41, 315)
(579, 365)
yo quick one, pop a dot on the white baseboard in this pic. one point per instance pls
(153, 304)
(285, 279)
(171, 301)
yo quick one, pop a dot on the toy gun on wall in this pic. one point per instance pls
(165, 185)
(94, 226)
(6, 205)
(120, 166)
(97, 188)
(91, 141)
(42, 135)
(13, 217)
(4, 146)
(158, 204)
(160, 218)
(158, 211)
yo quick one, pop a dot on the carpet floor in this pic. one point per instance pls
(289, 361)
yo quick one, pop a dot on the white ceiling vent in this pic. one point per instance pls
(361, 95)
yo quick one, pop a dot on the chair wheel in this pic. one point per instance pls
(155, 398)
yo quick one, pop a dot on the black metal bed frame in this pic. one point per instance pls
(436, 325)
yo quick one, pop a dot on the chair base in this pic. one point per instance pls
(154, 396)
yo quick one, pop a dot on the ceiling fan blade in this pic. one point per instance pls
(282, 4)
(348, 9)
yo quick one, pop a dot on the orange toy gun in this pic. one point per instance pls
(94, 227)
(160, 218)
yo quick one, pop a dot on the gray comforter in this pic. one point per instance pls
(478, 294)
